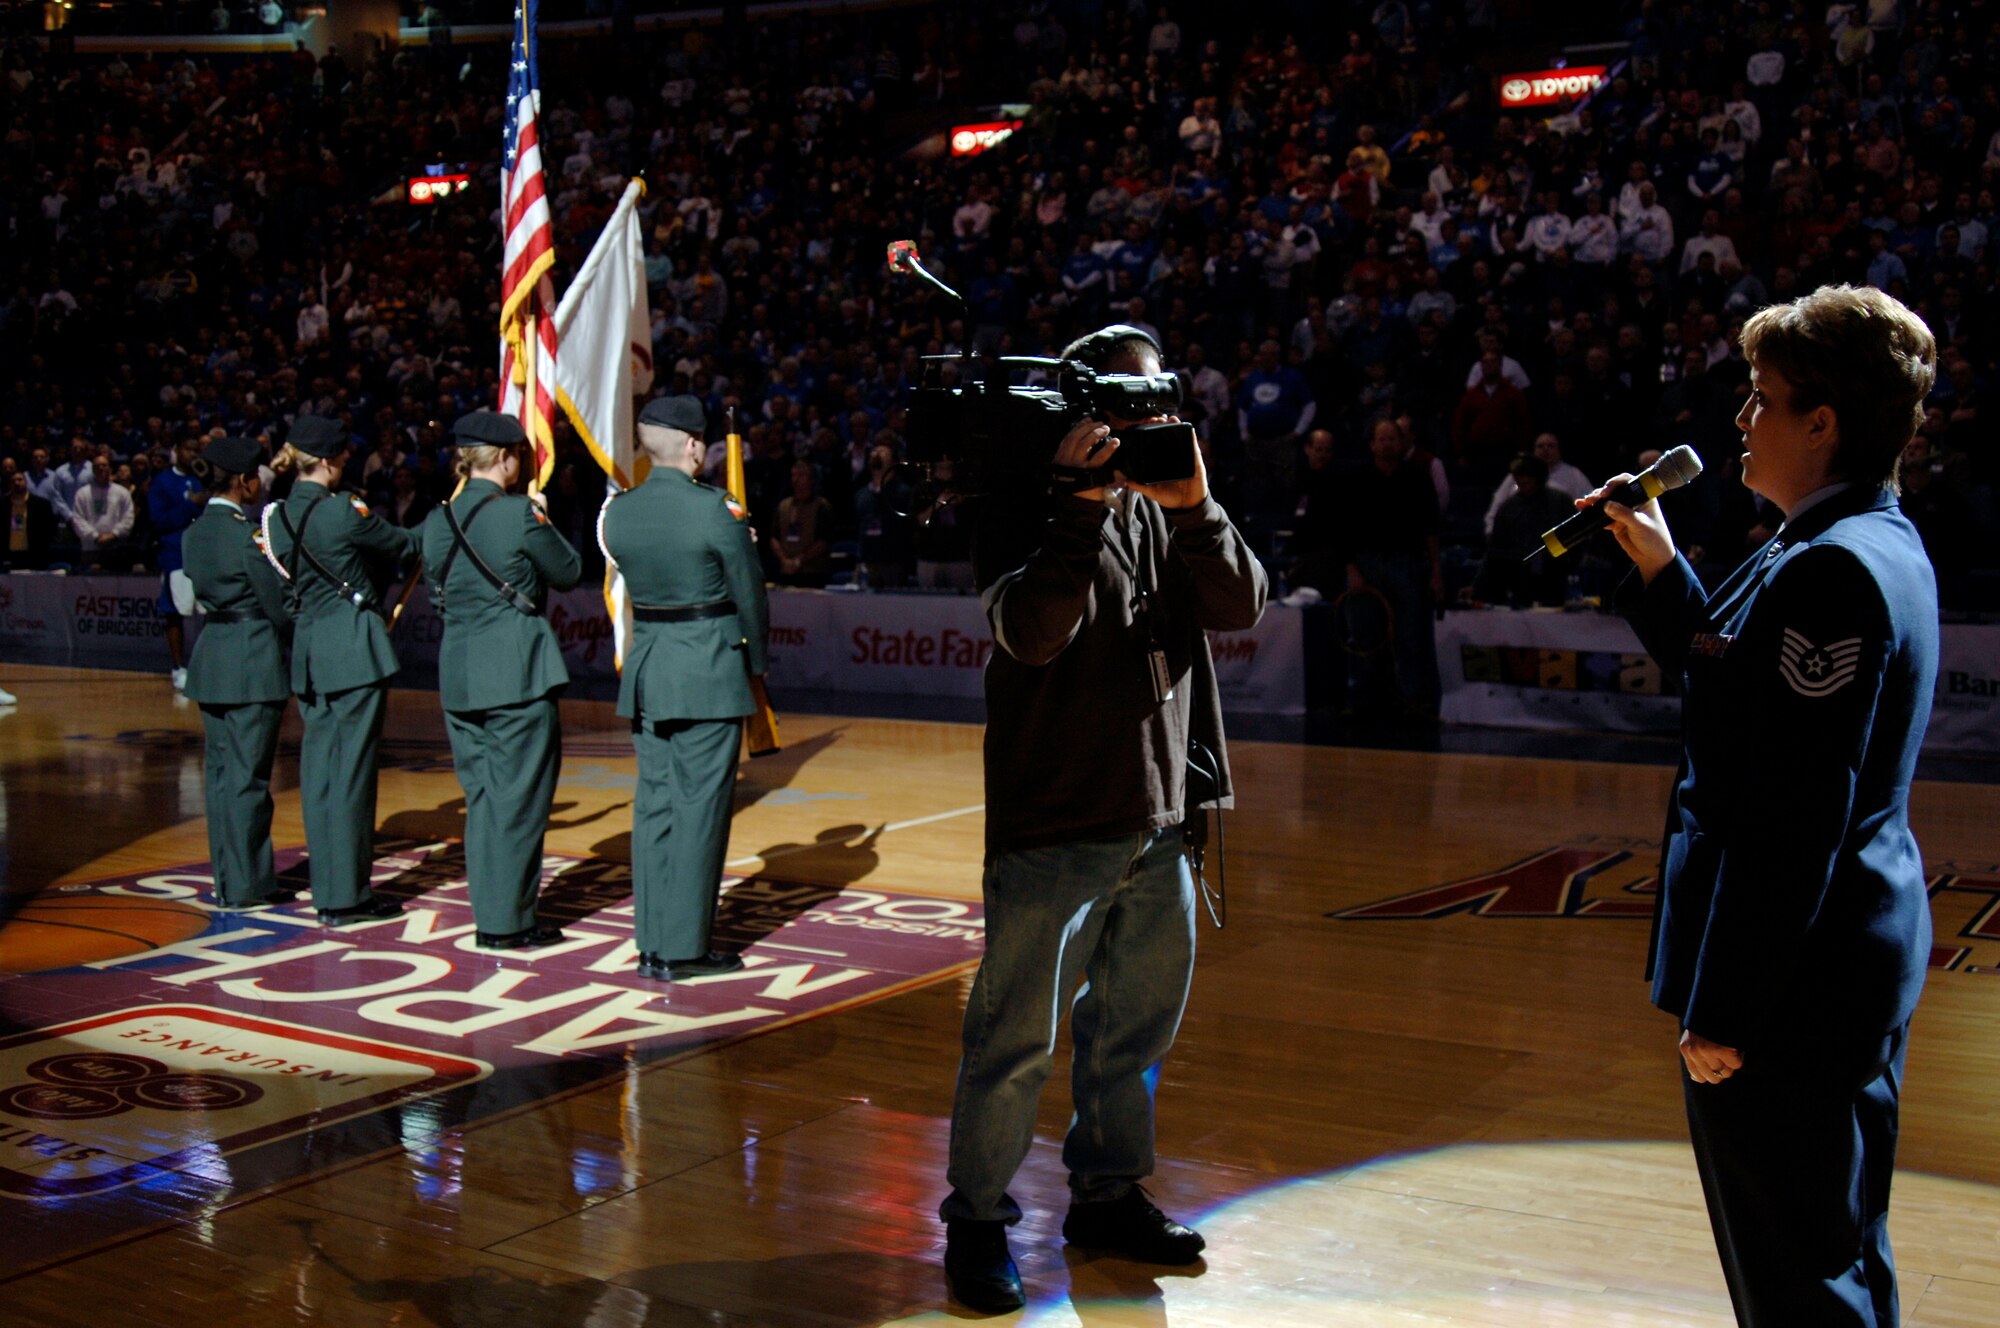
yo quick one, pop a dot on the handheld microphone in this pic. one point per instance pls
(902, 255)
(1669, 472)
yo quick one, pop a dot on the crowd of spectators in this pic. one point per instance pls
(1363, 270)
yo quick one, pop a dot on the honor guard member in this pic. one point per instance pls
(338, 556)
(491, 556)
(237, 674)
(1793, 928)
(699, 623)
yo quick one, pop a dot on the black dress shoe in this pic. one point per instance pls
(979, 1268)
(271, 900)
(1130, 1225)
(518, 940)
(680, 970)
(704, 966)
(367, 909)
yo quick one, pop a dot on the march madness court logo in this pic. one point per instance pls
(166, 1057)
(1605, 878)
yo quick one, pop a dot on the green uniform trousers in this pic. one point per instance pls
(242, 743)
(507, 760)
(337, 790)
(680, 830)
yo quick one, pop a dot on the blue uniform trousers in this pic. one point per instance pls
(1796, 1155)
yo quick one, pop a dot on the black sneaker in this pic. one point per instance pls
(367, 910)
(1130, 1225)
(518, 940)
(979, 1268)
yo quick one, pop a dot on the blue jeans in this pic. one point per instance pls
(1117, 915)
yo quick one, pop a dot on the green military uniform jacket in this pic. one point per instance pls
(339, 644)
(235, 663)
(679, 543)
(493, 654)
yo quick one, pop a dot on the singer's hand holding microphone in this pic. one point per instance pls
(1629, 505)
(1641, 531)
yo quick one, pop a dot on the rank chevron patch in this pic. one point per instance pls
(1817, 671)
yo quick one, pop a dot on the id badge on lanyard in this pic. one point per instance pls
(1158, 671)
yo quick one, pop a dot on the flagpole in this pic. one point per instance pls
(761, 729)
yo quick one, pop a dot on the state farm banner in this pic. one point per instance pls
(1547, 670)
(937, 645)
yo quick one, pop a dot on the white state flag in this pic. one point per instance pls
(606, 331)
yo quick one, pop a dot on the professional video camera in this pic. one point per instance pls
(1000, 435)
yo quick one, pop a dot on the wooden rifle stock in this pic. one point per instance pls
(409, 588)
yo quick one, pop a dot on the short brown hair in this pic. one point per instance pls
(1862, 354)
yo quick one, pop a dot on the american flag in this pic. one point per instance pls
(527, 298)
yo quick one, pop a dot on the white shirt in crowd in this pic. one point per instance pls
(1721, 246)
(1594, 238)
(973, 219)
(101, 510)
(1648, 232)
(1430, 225)
(1747, 117)
(1510, 369)
(313, 322)
(1547, 233)
(1200, 133)
(1208, 386)
(1564, 479)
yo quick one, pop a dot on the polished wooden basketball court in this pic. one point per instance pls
(1453, 1109)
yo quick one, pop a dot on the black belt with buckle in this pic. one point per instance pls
(233, 616)
(650, 613)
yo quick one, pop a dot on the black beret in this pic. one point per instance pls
(683, 413)
(233, 455)
(489, 428)
(315, 435)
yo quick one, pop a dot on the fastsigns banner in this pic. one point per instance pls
(104, 622)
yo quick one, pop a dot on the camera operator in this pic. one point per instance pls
(1098, 600)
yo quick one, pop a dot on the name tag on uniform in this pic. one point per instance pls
(1712, 645)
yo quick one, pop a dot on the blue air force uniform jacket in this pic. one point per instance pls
(1792, 906)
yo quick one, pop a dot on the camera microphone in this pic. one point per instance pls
(1669, 472)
